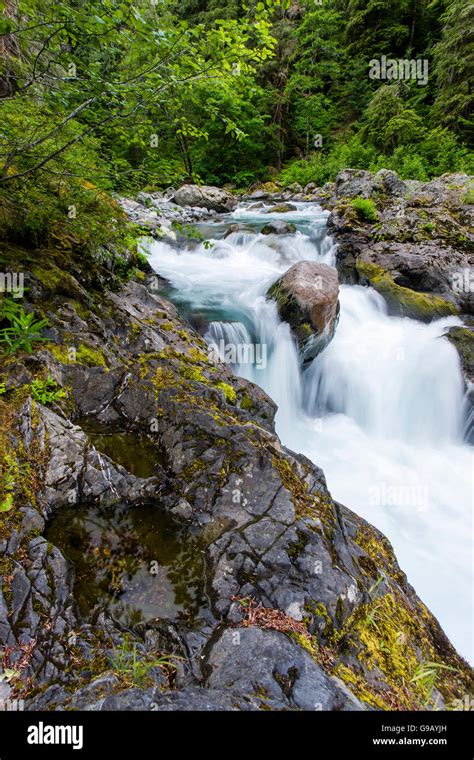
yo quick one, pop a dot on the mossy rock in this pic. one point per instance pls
(401, 301)
(282, 208)
(82, 354)
(246, 402)
(287, 304)
(463, 340)
(270, 187)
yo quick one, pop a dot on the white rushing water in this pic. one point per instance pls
(380, 410)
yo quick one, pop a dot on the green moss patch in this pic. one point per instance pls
(82, 354)
(21, 470)
(463, 340)
(229, 393)
(402, 301)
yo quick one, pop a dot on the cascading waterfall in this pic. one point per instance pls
(380, 410)
(394, 377)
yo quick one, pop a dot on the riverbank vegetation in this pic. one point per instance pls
(117, 95)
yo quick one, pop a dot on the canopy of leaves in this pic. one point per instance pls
(117, 95)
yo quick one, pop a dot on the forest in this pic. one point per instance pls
(146, 94)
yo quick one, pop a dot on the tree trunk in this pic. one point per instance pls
(9, 49)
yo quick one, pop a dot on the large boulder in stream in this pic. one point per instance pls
(308, 299)
(212, 198)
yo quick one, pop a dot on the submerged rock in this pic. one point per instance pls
(238, 227)
(278, 227)
(307, 297)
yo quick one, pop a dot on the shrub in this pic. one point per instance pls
(23, 330)
(365, 208)
(133, 668)
(419, 155)
(46, 391)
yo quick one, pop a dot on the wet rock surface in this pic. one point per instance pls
(462, 339)
(418, 255)
(421, 245)
(305, 605)
(278, 227)
(307, 297)
(139, 564)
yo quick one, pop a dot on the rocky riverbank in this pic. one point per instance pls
(302, 603)
(411, 241)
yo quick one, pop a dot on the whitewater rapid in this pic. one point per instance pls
(380, 410)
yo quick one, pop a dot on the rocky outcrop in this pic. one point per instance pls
(272, 660)
(418, 252)
(161, 212)
(463, 339)
(402, 301)
(306, 607)
(307, 297)
(161, 217)
(358, 183)
(212, 198)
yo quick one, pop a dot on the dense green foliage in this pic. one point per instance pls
(113, 94)
(365, 208)
(420, 131)
(117, 95)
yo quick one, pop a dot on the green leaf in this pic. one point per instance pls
(7, 503)
(6, 25)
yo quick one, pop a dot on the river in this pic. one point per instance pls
(380, 409)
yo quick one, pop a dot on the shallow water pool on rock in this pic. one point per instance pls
(137, 453)
(136, 562)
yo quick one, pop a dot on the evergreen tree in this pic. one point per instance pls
(454, 68)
